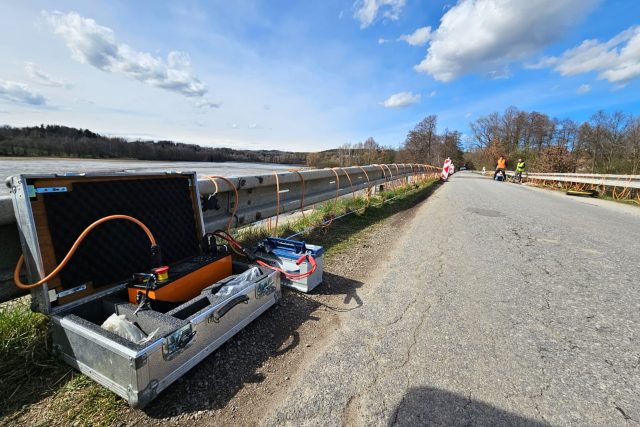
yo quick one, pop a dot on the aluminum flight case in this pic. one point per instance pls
(52, 210)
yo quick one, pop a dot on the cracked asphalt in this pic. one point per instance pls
(501, 304)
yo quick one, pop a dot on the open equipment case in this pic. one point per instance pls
(53, 210)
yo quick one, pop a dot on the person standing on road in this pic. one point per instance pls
(520, 167)
(502, 166)
(484, 170)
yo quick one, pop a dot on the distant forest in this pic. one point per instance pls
(62, 141)
(608, 142)
(423, 144)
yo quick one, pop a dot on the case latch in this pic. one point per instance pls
(177, 342)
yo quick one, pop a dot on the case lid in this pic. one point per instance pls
(53, 210)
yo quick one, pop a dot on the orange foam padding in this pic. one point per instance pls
(188, 286)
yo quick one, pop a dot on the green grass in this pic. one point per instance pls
(337, 235)
(29, 371)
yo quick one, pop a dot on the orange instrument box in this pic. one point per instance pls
(184, 280)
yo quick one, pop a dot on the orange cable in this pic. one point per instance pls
(302, 195)
(383, 172)
(391, 179)
(289, 275)
(368, 183)
(236, 246)
(337, 185)
(74, 247)
(213, 178)
(397, 172)
(335, 203)
(353, 193)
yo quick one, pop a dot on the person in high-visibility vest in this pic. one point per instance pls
(502, 166)
(520, 167)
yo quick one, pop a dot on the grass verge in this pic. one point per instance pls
(633, 201)
(30, 372)
(360, 214)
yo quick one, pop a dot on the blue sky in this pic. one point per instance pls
(310, 75)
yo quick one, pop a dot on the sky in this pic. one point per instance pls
(310, 75)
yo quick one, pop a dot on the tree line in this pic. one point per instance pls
(423, 144)
(608, 142)
(62, 141)
(362, 153)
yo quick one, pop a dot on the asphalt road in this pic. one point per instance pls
(501, 305)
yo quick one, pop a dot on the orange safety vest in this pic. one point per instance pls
(502, 163)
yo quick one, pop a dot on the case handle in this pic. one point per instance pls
(219, 314)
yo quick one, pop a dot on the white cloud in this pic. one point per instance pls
(234, 126)
(253, 126)
(43, 78)
(383, 40)
(419, 37)
(20, 93)
(433, 93)
(616, 60)
(96, 45)
(585, 88)
(485, 35)
(499, 74)
(368, 10)
(203, 103)
(401, 99)
(544, 62)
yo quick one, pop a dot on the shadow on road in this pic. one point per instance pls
(212, 383)
(338, 285)
(435, 407)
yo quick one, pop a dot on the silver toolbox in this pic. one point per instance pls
(50, 209)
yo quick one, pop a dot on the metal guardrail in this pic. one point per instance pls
(256, 201)
(622, 181)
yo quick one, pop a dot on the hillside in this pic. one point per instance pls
(62, 141)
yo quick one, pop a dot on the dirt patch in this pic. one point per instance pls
(249, 375)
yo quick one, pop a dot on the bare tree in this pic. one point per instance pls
(486, 130)
(421, 139)
(632, 136)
